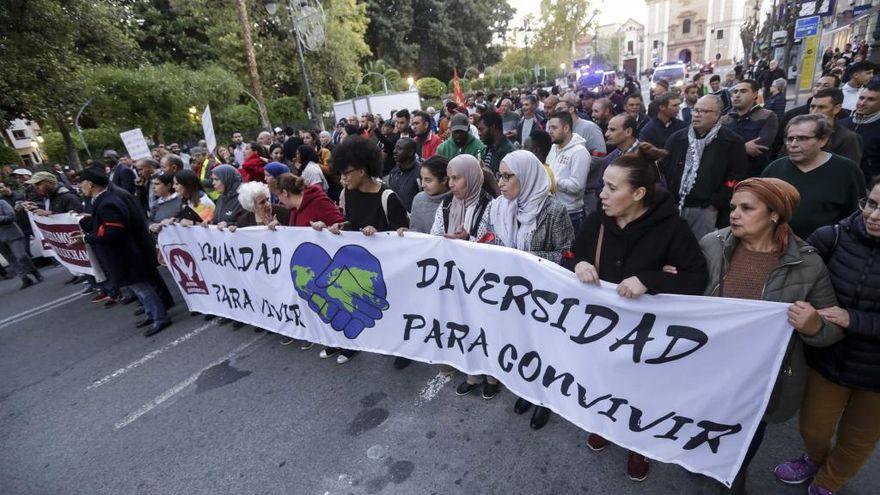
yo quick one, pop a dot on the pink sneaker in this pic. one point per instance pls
(796, 471)
(815, 489)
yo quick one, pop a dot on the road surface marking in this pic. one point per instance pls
(432, 388)
(171, 392)
(61, 301)
(152, 355)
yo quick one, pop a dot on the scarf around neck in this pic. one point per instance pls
(696, 147)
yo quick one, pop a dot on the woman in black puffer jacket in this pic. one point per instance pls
(843, 387)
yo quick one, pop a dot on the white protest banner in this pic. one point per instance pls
(53, 232)
(679, 379)
(208, 128)
(135, 144)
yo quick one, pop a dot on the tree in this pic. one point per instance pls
(157, 98)
(564, 23)
(47, 48)
(431, 87)
(428, 37)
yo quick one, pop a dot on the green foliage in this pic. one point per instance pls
(286, 110)
(563, 23)
(157, 98)
(431, 37)
(8, 156)
(98, 139)
(235, 118)
(431, 87)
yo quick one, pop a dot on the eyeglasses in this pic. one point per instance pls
(702, 111)
(868, 206)
(798, 139)
(346, 173)
(503, 176)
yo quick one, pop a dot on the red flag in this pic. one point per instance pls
(457, 93)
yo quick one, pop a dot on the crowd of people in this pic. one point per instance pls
(702, 190)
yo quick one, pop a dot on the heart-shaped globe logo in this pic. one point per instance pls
(347, 291)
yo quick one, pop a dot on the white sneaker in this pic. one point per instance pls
(341, 359)
(286, 340)
(306, 346)
(324, 354)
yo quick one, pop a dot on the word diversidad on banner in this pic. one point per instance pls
(677, 378)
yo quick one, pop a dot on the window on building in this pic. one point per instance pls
(629, 47)
(686, 26)
(656, 44)
(28, 161)
(719, 34)
(36, 158)
(19, 134)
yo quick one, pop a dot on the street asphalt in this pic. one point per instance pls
(90, 406)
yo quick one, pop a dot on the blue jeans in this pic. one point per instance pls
(153, 306)
(577, 218)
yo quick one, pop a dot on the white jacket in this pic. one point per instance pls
(570, 165)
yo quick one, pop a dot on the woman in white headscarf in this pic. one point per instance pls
(527, 218)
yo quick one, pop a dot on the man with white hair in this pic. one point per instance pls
(265, 138)
(326, 140)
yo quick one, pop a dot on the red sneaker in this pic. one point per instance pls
(596, 442)
(637, 467)
(100, 297)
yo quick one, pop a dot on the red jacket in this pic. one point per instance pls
(429, 145)
(252, 169)
(315, 207)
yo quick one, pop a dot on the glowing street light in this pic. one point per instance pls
(482, 76)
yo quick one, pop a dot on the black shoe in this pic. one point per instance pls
(89, 290)
(327, 352)
(521, 406)
(156, 328)
(25, 282)
(465, 388)
(37, 275)
(194, 313)
(223, 321)
(210, 317)
(259, 330)
(127, 300)
(539, 417)
(401, 363)
(139, 311)
(490, 390)
(144, 323)
(237, 325)
(109, 303)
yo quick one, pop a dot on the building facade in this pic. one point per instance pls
(694, 31)
(621, 44)
(24, 137)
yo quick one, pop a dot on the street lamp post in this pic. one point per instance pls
(271, 9)
(79, 129)
(260, 107)
(384, 82)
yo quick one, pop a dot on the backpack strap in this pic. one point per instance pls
(385, 195)
(599, 247)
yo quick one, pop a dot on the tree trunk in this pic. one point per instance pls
(252, 64)
(72, 153)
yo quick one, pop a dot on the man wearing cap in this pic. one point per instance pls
(460, 141)
(53, 197)
(115, 241)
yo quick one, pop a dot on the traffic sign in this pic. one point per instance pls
(807, 26)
